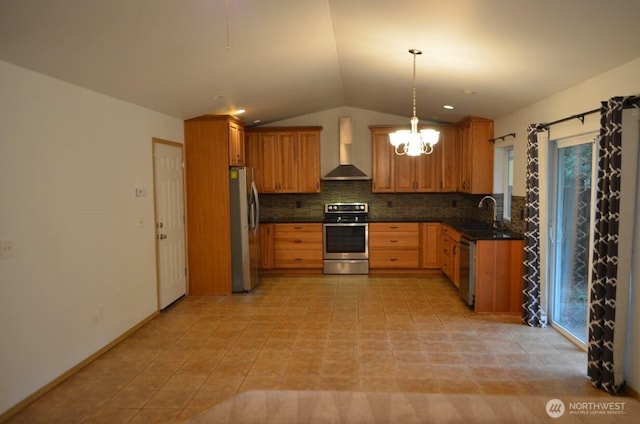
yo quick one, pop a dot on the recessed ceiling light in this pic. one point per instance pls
(217, 97)
(467, 91)
(448, 107)
(239, 111)
(257, 121)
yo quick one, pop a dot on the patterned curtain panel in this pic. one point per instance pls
(603, 347)
(531, 309)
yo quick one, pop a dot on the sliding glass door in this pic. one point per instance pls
(570, 236)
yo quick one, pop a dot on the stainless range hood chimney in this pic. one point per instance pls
(346, 170)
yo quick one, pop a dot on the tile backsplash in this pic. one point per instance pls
(382, 206)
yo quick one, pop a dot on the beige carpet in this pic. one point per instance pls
(272, 406)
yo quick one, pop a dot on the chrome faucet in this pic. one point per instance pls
(494, 223)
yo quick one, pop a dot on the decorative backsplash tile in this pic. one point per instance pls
(382, 206)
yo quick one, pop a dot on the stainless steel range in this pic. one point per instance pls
(345, 238)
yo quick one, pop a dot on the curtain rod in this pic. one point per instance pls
(502, 137)
(580, 116)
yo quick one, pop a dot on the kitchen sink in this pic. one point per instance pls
(477, 230)
(488, 233)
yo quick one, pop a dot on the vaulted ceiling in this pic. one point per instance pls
(283, 58)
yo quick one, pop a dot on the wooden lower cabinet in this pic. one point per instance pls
(297, 246)
(266, 246)
(498, 278)
(394, 245)
(430, 245)
(450, 253)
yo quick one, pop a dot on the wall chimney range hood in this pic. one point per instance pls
(346, 170)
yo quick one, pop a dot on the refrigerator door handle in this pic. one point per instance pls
(255, 209)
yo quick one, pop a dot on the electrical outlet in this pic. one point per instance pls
(6, 249)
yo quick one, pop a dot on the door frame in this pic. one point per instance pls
(554, 146)
(155, 141)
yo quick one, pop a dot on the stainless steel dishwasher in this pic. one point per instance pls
(467, 256)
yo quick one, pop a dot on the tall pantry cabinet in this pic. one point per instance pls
(209, 143)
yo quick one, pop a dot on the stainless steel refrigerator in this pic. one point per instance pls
(245, 219)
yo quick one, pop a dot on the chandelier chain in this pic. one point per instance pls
(414, 83)
(414, 142)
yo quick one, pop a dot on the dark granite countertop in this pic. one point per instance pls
(292, 221)
(472, 229)
(404, 220)
(477, 230)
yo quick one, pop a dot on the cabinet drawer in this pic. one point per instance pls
(298, 237)
(298, 258)
(394, 226)
(286, 240)
(296, 228)
(396, 240)
(394, 259)
(296, 244)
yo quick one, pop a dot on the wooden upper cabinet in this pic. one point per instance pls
(419, 173)
(252, 155)
(288, 159)
(277, 162)
(476, 155)
(287, 162)
(236, 145)
(268, 162)
(309, 162)
(383, 160)
(450, 159)
(401, 173)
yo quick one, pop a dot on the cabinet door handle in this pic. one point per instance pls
(393, 241)
(394, 227)
(393, 259)
(297, 241)
(297, 228)
(454, 250)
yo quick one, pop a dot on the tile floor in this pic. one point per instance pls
(357, 333)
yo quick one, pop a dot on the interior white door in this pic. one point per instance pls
(170, 229)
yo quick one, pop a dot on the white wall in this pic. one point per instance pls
(83, 269)
(361, 147)
(620, 81)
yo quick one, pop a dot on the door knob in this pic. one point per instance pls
(163, 236)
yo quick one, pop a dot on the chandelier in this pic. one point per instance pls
(413, 142)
